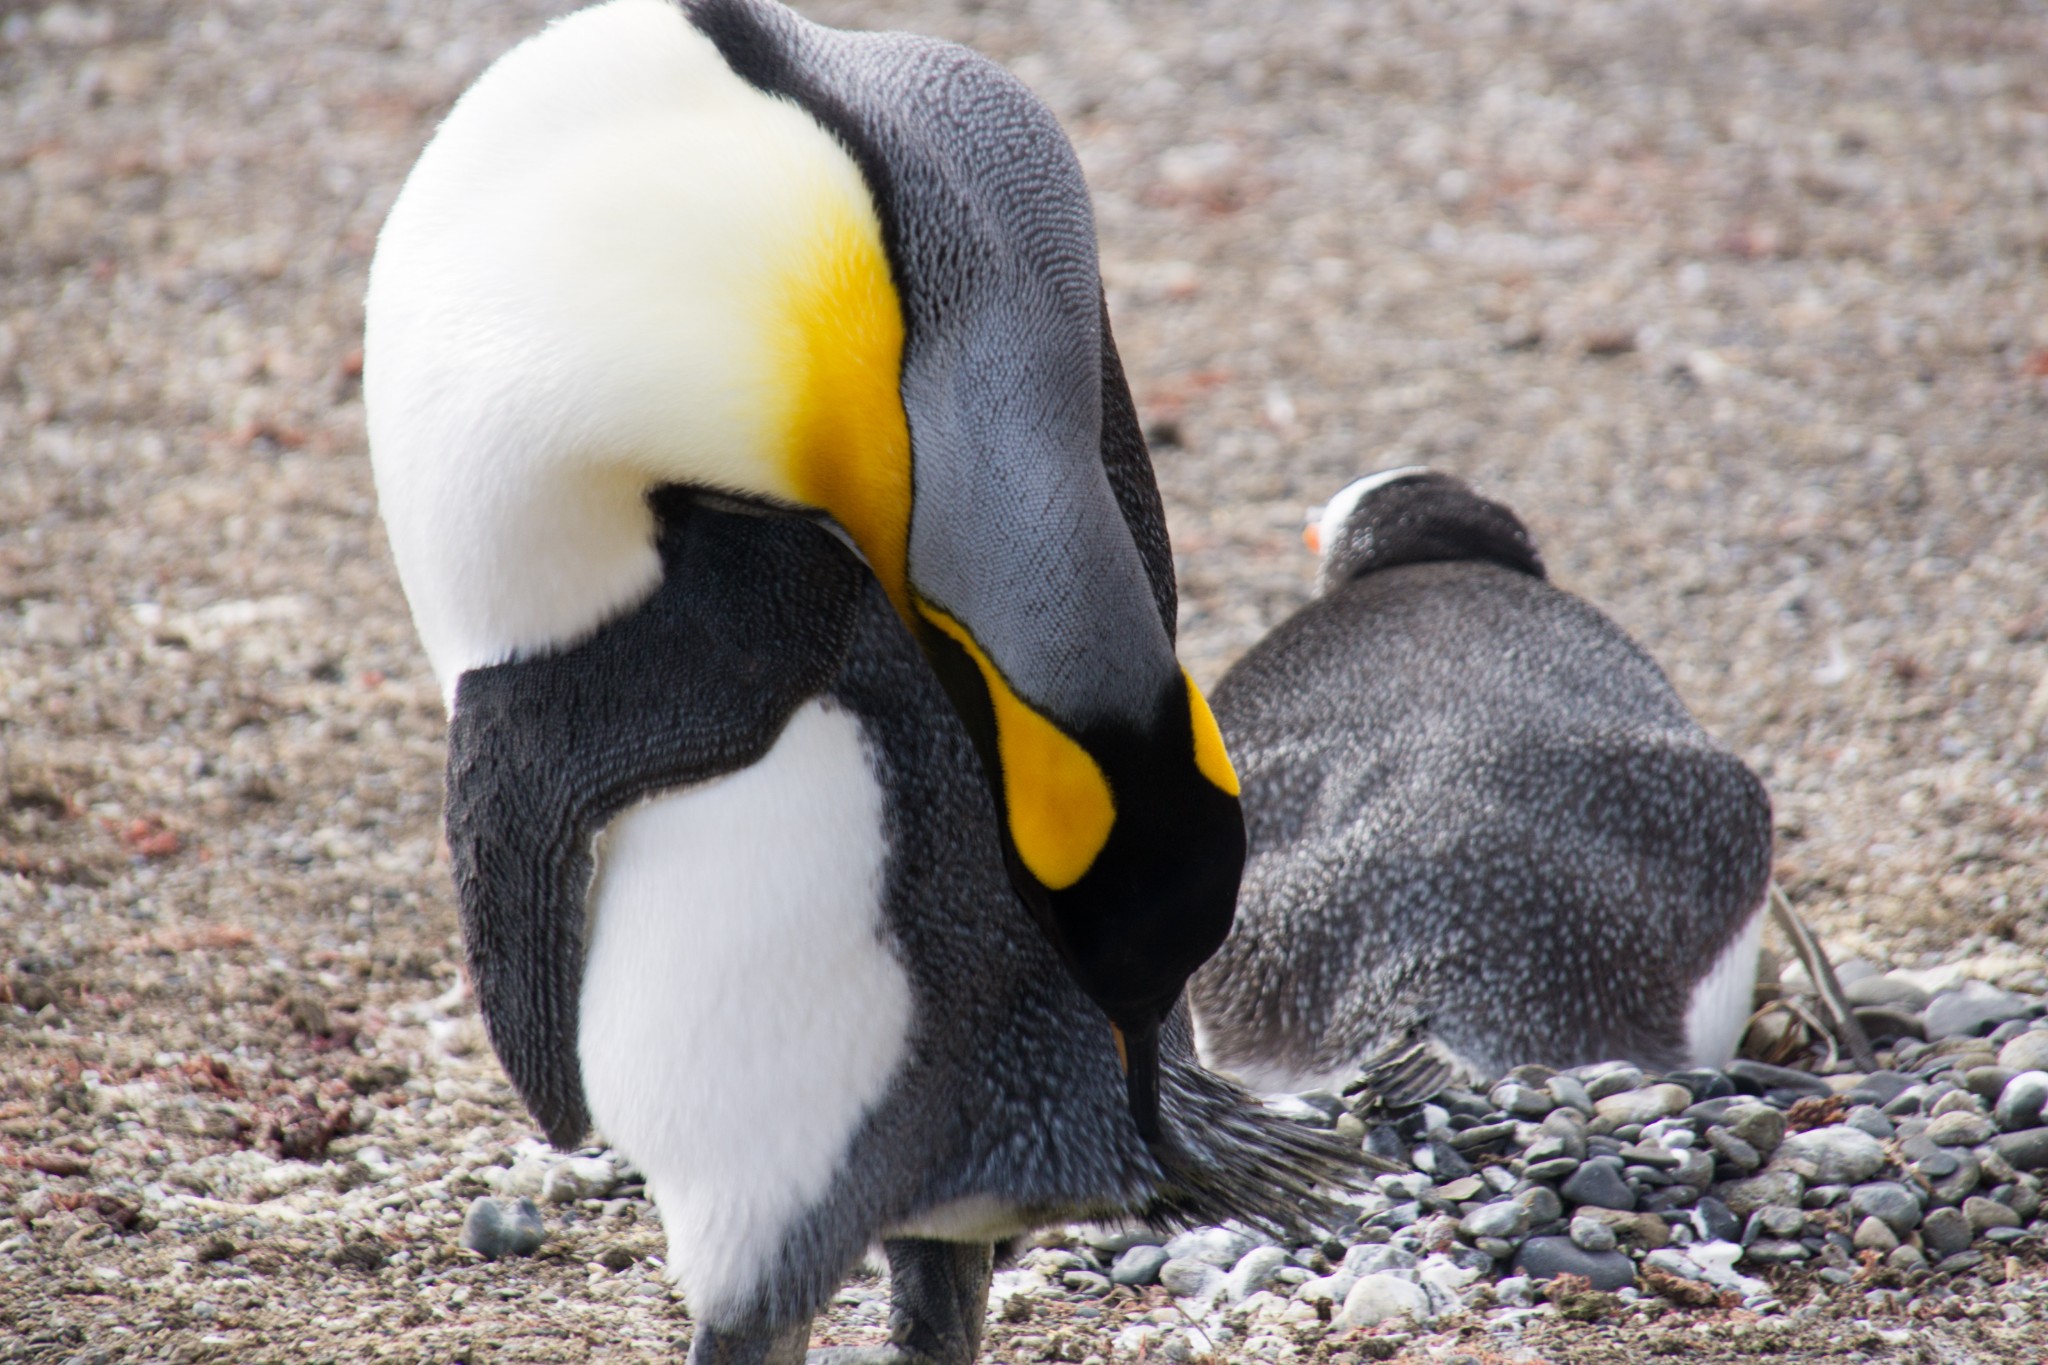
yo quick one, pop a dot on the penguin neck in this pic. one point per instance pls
(527, 566)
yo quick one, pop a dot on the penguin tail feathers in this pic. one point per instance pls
(1225, 1157)
(1409, 1072)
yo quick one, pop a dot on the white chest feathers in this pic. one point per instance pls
(742, 1008)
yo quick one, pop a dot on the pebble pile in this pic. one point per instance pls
(1685, 1186)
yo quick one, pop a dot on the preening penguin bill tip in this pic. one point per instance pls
(850, 276)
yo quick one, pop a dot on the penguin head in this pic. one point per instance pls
(849, 276)
(1414, 515)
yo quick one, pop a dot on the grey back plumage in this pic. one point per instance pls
(1479, 817)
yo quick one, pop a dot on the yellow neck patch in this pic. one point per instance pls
(1212, 759)
(848, 443)
(1060, 806)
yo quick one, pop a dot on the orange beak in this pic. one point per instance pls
(1312, 536)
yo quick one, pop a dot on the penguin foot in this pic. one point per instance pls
(938, 1295)
(753, 1345)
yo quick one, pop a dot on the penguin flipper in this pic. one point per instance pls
(695, 683)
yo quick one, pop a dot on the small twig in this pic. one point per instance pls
(1822, 971)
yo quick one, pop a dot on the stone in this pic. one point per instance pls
(1219, 1247)
(1590, 1234)
(2026, 1052)
(1085, 1284)
(1557, 1168)
(1645, 1105)
(1744, 1197)
(1542, 1202)
(1961, 1101)
(2021, 1103)
(1874, 1234)
(1878, 1088)
(1759, 1125)
(1761, 1078)
(1775, 1251)
(1934, 1163)
(1907, 1258)
(1608, 1078)
(1957, 1184)
(1971, 1009)
(1544, 1258)
(1569, 1092)
(2026, 1150)
(1138, 1265)
(1376, 1298)
(1716, 1222)
(1460, 1191)
(1839, 1156)
(1945, 1231)
(1253, 1272)
(1987, 1082)
(1702, 1084)
(1184, 1277)
(1524, 1101)
(1505, 1219)
(1868, 1118)
(1889, 1202)
(1372, 1260)
(1695, 1168)
(1985, 1214)
(582, 1177)
(1885, 990)
(1733, 1149)
(1445, 1161)
(1599, 1182)
(496, 1226)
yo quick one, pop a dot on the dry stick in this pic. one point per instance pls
(1823, 973)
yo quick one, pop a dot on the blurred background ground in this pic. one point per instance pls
(1743, 307)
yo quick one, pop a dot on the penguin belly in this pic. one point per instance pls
(742, 1008)
(1722, 999)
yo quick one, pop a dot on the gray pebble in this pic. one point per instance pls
(1187, 1278)
(1646, 1105)
(1745, 1197)
(1590, 1234)
(1959, 1128)
(1543, 1204)
(1598, 1182)
(1775, 1251)
(1840, 1156)
(1954, 1187)
(1886, 990)
(1557, 1168)
(1874, 1234)
(1973, 1008)
(1608, 1078)
(497, 1227)
(1733, 1149)
(1139, 1265)
(1984, 1214)
(1253, 1273)
(1086, 1283)
(1506, 1220)
(1764, 1077)
(1945, 1232)
(1376, 1298)
(1906, 1258)
(2025, 1095)
(1695, 1168)
(1543, 1258)
(1218, 1247)
(1570, 1092)
(2026, 1149)
(1759, 1125)
(1521, 1100)
(2027, 1051)
(1868, 1118)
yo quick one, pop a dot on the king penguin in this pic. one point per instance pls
(832, 825)
(1484, 830)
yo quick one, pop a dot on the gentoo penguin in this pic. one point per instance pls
(1484, 830)
(711, 244)
(771, 506)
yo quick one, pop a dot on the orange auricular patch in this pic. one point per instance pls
(848, 440)
(1059, 801)
(1212, 759)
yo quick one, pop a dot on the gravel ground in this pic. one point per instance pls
(1743, 307)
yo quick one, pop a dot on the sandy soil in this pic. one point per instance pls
(1743, 307)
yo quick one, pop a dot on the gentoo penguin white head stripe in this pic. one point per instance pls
(721, 247)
